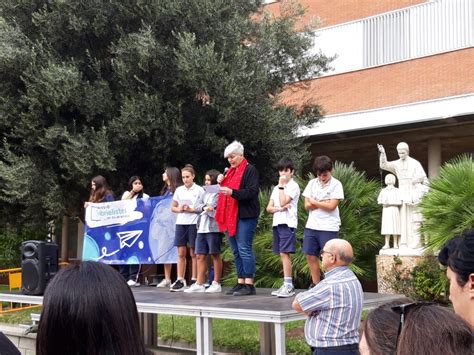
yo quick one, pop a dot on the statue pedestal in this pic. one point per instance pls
(391, 263)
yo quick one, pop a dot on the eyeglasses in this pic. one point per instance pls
(324, 252)
(403, 309)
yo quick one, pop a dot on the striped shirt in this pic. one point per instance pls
(335, 307)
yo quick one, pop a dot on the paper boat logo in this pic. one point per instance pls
(128, 238)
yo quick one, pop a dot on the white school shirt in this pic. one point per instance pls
(192, 194)
(126, 195)
(289, 216)
(318, 218)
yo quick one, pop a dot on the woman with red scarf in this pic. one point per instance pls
(237, 213)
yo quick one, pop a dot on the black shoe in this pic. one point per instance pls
(311, 285)
(235, 288)
(247, 290)
(178, 286)
(192, 282)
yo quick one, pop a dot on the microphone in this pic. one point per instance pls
(225, 171)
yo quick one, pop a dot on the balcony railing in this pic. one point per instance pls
(417, 31)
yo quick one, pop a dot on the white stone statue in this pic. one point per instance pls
(411, 176)
(391, 200)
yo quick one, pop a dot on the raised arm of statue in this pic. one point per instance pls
(383, 163)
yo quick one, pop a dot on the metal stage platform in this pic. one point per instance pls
(270, 311)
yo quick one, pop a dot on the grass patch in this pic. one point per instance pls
(230, 334)
(20, 317)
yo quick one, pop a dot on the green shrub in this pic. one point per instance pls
(360, 225)
(448, 207)
(427, 281)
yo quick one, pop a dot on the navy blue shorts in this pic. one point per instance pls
(185, 234)
(314, 240)
(284, 239)
(208, 243)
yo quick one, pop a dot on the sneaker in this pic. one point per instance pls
(286, 291)
(276, 292)
(195, 287)
(132, 283)
(247, 290)
(164, 283)
(178, 286)
(235, 288)
(214, 288)
(192, 282)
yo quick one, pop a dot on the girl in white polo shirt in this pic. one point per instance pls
(184, 200)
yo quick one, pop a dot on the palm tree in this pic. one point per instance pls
(448, 207)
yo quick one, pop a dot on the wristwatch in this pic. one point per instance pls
(281, 187)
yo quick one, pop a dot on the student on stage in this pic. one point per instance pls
(134, 191)
(284, 206)
(184, 203)
(172, 180)
(100, 191)
(209, 239)
(321, 198)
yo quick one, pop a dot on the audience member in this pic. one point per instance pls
(89, 309)
(458, 256)
(415, 328)
(334, 305)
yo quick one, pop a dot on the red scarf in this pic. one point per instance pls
(228, 207)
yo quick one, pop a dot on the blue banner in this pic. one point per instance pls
(138, 231)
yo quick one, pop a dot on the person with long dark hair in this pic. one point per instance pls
(131, 272)
(172, 180)
(100, 191)
(89, 309)
(405, 327)
(135, 189)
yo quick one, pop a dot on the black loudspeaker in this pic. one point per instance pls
(39, 263)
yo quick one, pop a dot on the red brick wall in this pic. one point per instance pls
(415, 80)
(332, 12)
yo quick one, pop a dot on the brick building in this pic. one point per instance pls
(404, 72)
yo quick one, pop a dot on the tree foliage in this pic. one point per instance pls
(127, 87)
(448, 207)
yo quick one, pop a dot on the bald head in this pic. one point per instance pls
(342, 249)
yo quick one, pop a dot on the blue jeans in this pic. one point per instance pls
(241, 244)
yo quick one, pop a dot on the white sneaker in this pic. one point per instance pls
(164, 283)
(286, 291)
(195, 287)
(276, 292)
(132, 283)
(214, 288)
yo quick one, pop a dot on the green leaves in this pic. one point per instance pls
(448, 207)
(123, 88)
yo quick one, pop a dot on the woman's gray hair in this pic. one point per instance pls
(234, 148)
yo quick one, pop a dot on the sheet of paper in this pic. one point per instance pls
(185, 202)
(212, 189)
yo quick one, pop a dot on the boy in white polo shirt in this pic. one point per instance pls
(284, 206)
(321, 199)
